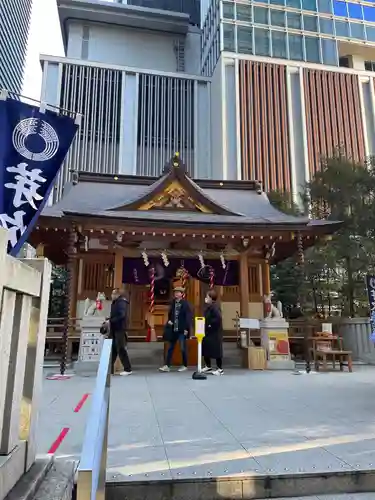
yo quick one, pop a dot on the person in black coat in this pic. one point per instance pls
(178, 328)
(118, 322)
(212, 346)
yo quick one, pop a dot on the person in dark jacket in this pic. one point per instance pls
(177, 329)
(118, 322)
(212, 346)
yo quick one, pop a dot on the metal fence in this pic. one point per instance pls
(93, 464)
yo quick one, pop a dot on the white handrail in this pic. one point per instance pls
(93, 464)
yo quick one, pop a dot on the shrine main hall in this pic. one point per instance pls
(150, 234)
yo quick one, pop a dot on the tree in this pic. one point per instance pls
(58, 291)
(345, 191)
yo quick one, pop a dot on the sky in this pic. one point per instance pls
(44, 38)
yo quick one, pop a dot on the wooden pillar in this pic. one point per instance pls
(244, 285)
(266, 278)
(119, 262)
(117, 283)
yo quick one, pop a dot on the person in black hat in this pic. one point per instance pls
(178, 328)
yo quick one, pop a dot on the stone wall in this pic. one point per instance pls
(356, 338)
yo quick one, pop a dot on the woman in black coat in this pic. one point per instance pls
(212, 346)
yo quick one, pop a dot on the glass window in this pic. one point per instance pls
(295, 47)
(370, 33)
(278, 18)
(279, 44)
(244, 40)
(355, 11)
(294, 3)
(326, 26)
(369, 13)
(344, 62)
(339, 8)
(312, 49)
(244, 12)
(294, 20)
(369, 66)
(228, 10)
(262, 42)
(310, 23)
(228, 30)
(329, 51)
(357, 30)
(260, 15)
(309, 5)
(325, 6)
(277, 2)
(342, 28)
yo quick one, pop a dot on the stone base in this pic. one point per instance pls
(12, 467)
(278, 329)
(280, 364)
(29, 484)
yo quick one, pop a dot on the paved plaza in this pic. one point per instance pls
(166, 425)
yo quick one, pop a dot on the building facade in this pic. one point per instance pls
(261, 91)
(14, 31)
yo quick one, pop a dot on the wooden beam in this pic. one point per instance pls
(119, 263)
(266, 278)
(244, 285)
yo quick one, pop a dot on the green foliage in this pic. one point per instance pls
(334, 272)
(57, 293)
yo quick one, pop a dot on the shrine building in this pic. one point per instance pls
(149, 234)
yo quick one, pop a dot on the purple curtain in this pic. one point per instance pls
(134, 270)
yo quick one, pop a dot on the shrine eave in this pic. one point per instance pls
(191, 221)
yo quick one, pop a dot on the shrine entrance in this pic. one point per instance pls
(152, 234)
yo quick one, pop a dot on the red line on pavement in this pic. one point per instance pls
(59, 440)
(81, 403)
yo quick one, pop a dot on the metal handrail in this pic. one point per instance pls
(93, 464)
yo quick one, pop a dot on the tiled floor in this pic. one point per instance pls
(165, 425)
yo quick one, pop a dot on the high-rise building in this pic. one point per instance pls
(262, 90)
(14, 31)
(295, 82)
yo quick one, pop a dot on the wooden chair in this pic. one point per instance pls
(326, 346)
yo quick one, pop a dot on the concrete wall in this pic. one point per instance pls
(127, 46)
(217, 117)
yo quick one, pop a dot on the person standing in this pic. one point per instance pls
(118, 322)
(212, 346)
(177, 329)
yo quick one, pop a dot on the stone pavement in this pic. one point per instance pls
(357, 496)
(165, 425)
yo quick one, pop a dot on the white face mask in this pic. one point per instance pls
(207, 300)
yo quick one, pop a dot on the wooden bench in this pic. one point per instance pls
(325, 347)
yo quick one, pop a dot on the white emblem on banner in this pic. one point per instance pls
(26, 185)
(33, 126)
(13, 224)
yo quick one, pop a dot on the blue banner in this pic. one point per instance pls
(33, 145)
(370, 283)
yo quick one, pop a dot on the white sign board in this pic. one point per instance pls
(199, 326)
(251, 324)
